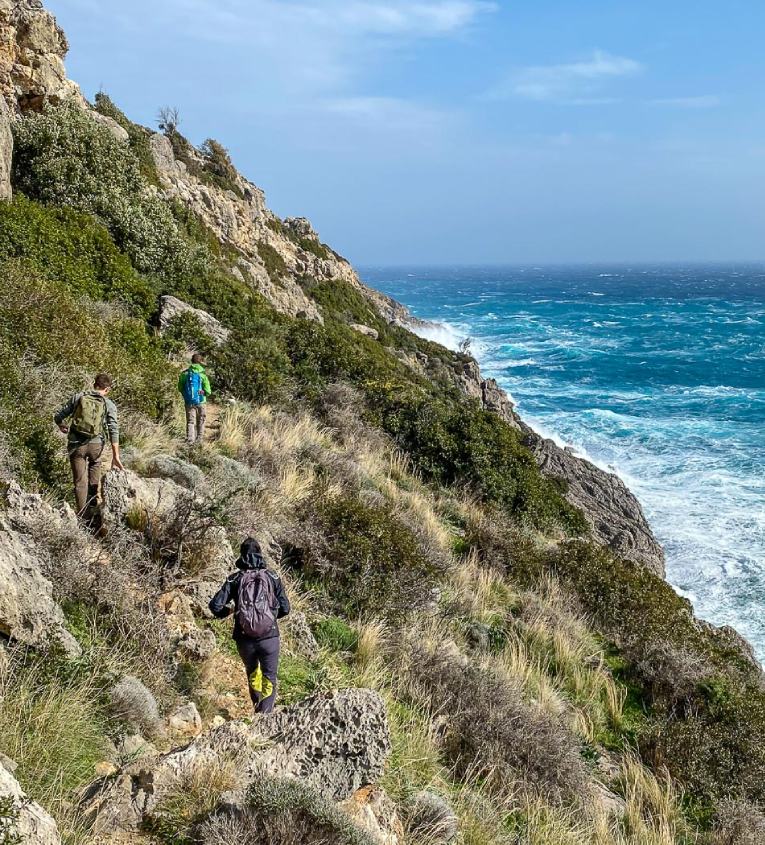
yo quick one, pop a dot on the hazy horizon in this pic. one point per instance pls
(462, 131)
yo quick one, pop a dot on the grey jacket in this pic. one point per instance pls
(111, 424)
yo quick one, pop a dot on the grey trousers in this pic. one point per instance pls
(261, 660)
(195, 422)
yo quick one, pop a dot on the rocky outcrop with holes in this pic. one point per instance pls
(335, 743)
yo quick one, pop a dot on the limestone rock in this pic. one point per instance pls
(432, 819)
(185, 720)
(372, 810)
(6, 151)
(296, 628)
(28, 612)
(334, 742)
(170, 307)
(613, 512)
(133, 747)
(181, 472)
(119, 132)
(33, 825)
(367, 330)
(32, 52)
(126, 494)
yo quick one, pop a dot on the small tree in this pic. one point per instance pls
(169, 119)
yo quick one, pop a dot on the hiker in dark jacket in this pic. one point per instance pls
(259, 600)
(92, 420)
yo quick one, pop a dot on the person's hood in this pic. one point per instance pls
(198, 368)
(250, 557)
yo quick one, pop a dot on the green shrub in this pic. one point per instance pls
(274, 263)
(335, 634)
(373, 561)
(64, 157)
(72, 248)
(218, 167)
(139, 136)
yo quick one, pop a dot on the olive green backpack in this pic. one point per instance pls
(89, 415)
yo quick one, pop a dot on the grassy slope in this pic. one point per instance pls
(569, 667)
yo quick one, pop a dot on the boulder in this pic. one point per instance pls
(119, 132)
(300, 635)
(6, 151)
(333, 742)
(366, 330)
(127, 496)
(170, 307)
(185, 720)
(371, 809)
(32, 824)
(28, 612)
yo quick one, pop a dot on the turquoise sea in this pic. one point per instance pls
(655, 372)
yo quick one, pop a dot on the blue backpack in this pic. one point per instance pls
(193, 394)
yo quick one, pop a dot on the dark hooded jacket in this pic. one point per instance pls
(220, 605)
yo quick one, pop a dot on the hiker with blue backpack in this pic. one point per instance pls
(194, 386)
(92, 419)
(259, 600)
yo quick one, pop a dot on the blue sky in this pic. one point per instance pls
(463, 131)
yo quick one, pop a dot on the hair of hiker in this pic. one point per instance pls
(103, 381)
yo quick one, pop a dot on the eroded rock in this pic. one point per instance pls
(371, 809)
(28, 612)
(32, 52)
(6, 151)
(334, 742)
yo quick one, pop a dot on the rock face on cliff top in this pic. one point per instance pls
(32, 51)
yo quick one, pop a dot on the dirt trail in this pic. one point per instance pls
(212, 424)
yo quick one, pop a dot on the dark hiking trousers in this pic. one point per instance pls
(261, 660)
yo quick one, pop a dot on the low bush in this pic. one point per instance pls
(283, 811)
(70, 247)
(273, 262)
(374, 563)
(335, 634)
(492, 733)
(139, 136)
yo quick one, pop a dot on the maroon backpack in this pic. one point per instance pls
(256, 607)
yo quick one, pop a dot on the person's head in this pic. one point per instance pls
(103, 383)
(196, 358)
(250, 556)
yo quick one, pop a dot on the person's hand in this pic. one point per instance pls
(117, 463)
(64, 429)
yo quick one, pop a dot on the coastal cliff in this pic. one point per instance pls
(483, 647)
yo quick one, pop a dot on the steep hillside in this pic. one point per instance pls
(483, 648)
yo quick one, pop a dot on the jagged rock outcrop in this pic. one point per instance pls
(613, 512)
(32, 52)
(334, 742)
(6, 151)
(174, 469)
(170, 307)
(127, 495)
(28, 612)
(32, 824)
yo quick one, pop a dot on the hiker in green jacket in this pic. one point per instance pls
(195, 388)
(93, 418)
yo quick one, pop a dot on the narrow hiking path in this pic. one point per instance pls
(212, 424)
